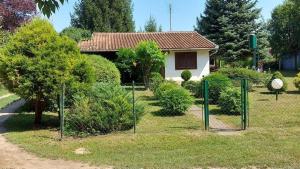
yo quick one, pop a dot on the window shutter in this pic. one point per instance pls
(185, 60)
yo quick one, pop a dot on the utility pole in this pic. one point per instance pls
(170, 10)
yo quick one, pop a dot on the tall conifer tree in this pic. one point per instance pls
(103, 15)
(228, 23)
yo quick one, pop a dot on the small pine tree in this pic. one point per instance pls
(151, 25)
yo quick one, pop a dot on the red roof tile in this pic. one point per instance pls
(101, 42)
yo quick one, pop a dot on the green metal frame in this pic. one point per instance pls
(61, 110)
(206, 104)
(244, 104)
(133, 107)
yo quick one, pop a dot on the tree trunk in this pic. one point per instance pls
(38, 111)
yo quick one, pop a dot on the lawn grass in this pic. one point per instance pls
(178, 142)
(5, 101)
(3, 91)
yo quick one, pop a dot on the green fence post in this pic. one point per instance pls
(247, 102)
(244, 104)
(61, 110)
(202, 97)
(206, 105)
(133, 107)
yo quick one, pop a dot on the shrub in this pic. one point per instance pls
(105, 70)
(277, 75)
(175, 100)
(217, 83)
(297, 81)
(230, 101)
(163, 87)
(186, 75)
(105, 108)
(195, 87)
(243, 73)
(76, 34)
(155, 80)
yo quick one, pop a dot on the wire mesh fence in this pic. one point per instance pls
(226, 104)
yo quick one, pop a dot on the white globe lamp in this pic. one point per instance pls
(277, 84)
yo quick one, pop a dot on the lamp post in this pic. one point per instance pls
(277, 84)
(253, 47)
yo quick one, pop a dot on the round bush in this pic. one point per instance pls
(277, 75)
(105, 70)
(155, 80)
(105, 108)
(230, 101)
(163, 87)
(175, 101)
(297, 81)
(217, 83)
(186, 75)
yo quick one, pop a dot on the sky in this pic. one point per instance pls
(184, 13)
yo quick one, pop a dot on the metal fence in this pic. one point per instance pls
(226, 104)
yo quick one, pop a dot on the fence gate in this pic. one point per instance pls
(226, 110)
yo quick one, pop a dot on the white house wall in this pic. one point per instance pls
(202, 66)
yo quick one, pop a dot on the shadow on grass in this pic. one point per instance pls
(186, 128)
(293, 92)
(220, 112)
(25, 122)
(263, 100)
(163, 113)
(268, 93)
(147, 98)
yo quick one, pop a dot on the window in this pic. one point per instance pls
(185, 60)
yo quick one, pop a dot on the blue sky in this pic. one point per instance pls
(184, 12)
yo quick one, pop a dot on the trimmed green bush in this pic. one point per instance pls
(297, 81)
(243, 73)
(105, 70)
(186, 75)
(230, 101)
(175, 101)
(163, 87)
(155, 80)
(277, 75)
(195, 87)
(105, 108)
(217, 83)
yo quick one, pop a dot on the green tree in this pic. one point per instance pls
(228, 24)
(36, 61)
(126, 60)
(151, 25)
(150, 58)
(285, 30)
(48, 7)
(103, 15)
(76, 34)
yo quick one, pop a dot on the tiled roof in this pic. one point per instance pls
(166, 40)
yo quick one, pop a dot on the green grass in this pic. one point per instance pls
(178, 142)
(3, 91)
(5, 101)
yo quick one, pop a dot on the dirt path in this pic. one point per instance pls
(13, 157)
(215, 125)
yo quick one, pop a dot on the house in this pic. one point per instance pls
(290, 62)
(185, 50)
